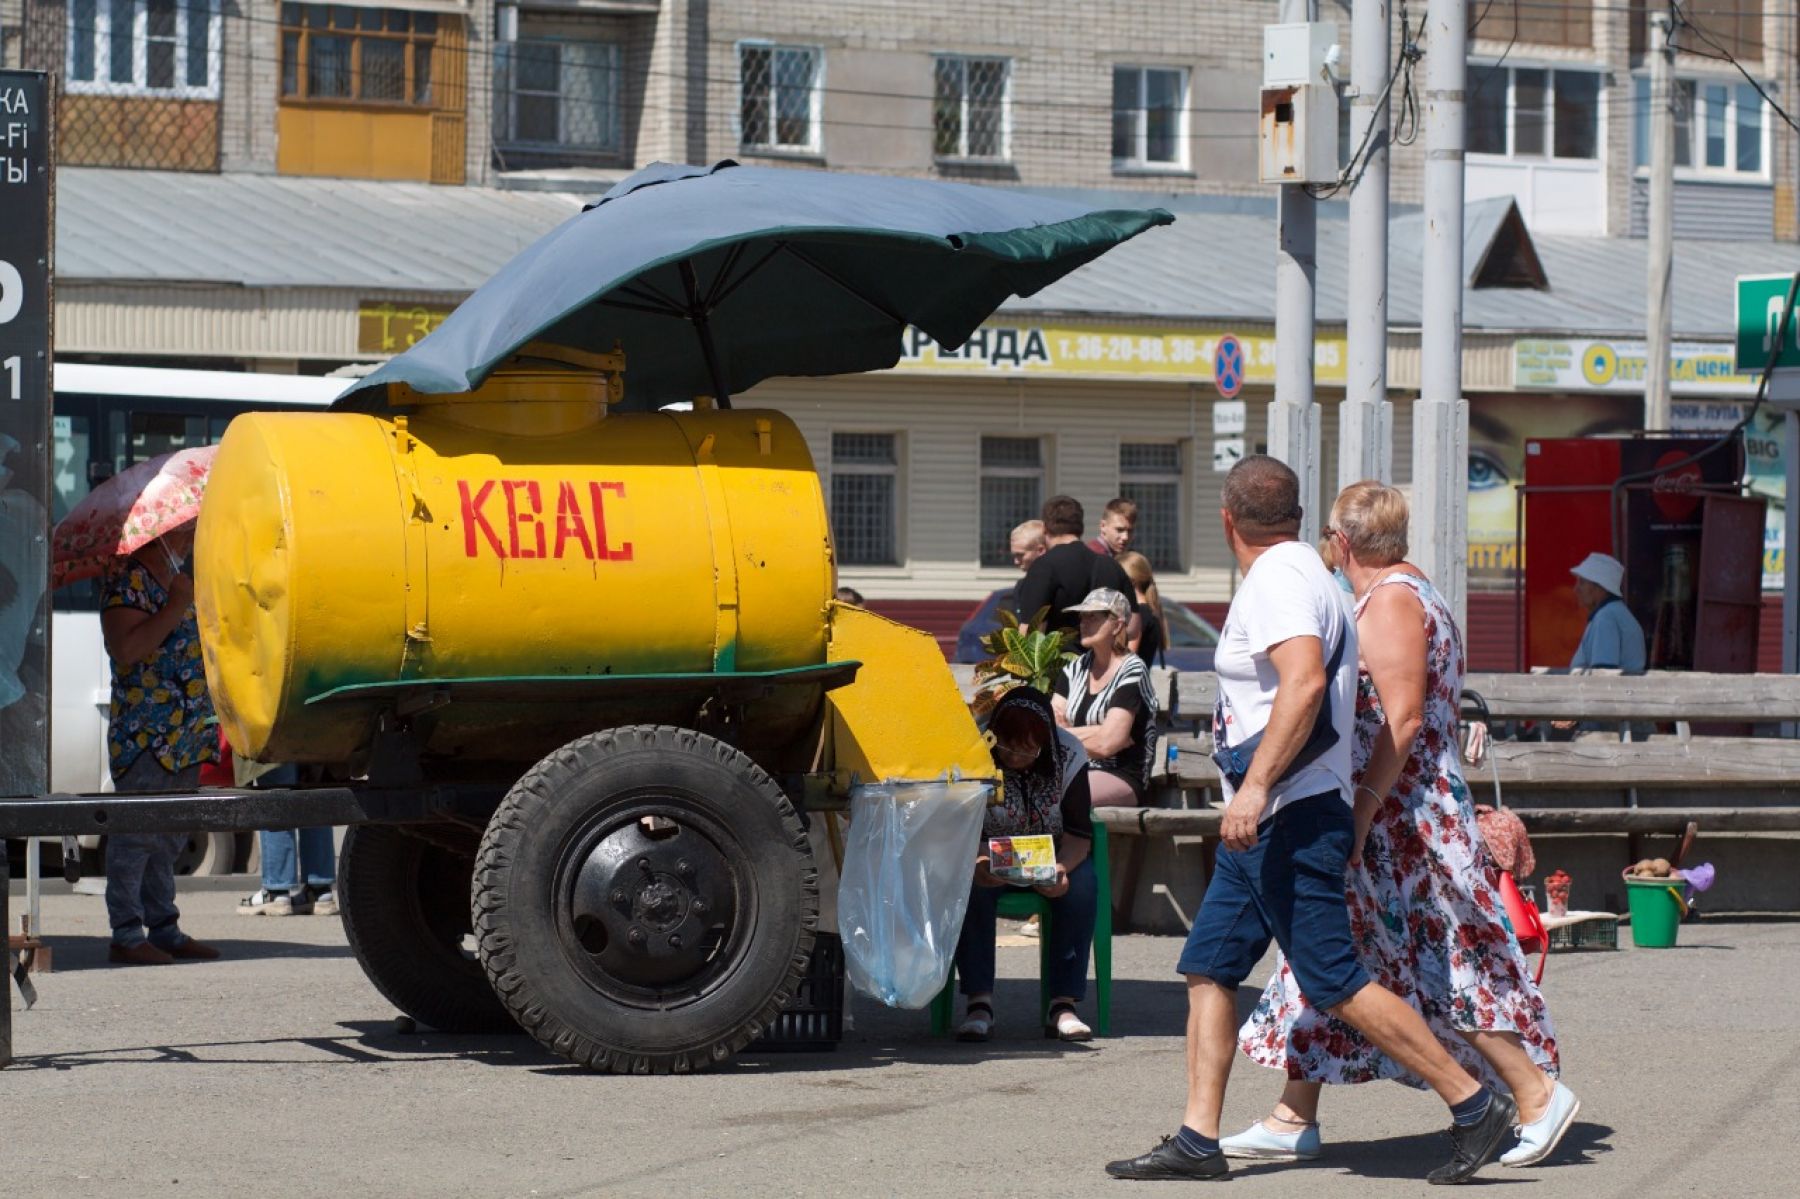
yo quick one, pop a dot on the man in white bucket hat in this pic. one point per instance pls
(1614, 639)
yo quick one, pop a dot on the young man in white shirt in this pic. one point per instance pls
(1287, 665)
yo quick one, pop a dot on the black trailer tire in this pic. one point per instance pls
(405, 906)
(646, 901)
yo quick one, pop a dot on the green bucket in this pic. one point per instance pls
(1655, 911)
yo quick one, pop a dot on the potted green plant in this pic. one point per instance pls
(1020, 654)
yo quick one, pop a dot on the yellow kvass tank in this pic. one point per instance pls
(507, 567)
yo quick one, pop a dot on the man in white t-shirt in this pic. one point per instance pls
(1287, 666)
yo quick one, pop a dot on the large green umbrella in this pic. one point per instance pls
(713, 279)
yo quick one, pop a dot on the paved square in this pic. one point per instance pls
(278, 1072)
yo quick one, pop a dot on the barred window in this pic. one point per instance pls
(1150, 473)
(778, 97)
(1012, 492)
(1149, 117)
(864, 504)
(557, 94)
(973, 107)
(144, 48)
(357, 55)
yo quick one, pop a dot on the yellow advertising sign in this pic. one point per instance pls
(1087, 350)
(383, 327)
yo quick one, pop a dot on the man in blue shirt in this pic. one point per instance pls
(1614, 639)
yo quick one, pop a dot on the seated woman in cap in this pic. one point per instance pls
(1104, 697)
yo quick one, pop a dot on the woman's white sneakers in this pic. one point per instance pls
(1538, 1140)
(1257, 1143)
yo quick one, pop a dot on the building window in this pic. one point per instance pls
(865, 469)
(1720, 128)
(144, 48)
(357, 55)
(1012, 492)
(778, 97)
(972, 109)
(1149, 118)
(1534, 112)
(557, 95)
(1150, 474)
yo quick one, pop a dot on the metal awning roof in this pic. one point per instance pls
(1215, 264)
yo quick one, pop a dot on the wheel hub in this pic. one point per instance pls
(652, 902)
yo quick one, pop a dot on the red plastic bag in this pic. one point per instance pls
(219, 773)
(1527, 922)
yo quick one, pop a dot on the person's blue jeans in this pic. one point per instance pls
(292, 860)
(1288, 887)
(1071, 935)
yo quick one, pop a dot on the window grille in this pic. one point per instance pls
(144, 48)
(778, 97)
(379, 56)
(864, 503)
(552, 95)
(1150, 473)
(972, 110)
(1012, 492)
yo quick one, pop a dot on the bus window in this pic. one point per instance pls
(69, 479)
(153, 433)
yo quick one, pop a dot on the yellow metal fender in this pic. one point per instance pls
(903, 718)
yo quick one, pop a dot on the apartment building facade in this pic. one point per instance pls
(1148, 100)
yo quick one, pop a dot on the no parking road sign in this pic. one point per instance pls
(1228, 366)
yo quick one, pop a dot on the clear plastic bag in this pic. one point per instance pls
(908, 864)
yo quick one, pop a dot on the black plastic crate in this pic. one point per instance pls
(814, 1017)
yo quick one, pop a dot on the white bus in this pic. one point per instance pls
(105, 419)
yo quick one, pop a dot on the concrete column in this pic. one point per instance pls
(1441, 415)
(1293, 417)
(1366, 431)
(1659, 316)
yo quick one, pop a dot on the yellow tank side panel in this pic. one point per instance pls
(904, 717)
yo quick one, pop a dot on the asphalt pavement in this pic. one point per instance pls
(279, 1071)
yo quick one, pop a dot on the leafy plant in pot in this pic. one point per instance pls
(1020, 654)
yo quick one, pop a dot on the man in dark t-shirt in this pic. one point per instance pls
(1065, 574)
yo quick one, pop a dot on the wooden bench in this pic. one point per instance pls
(1736, 785)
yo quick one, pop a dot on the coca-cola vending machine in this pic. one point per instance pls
(1646, 501)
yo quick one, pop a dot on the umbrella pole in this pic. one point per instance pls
(697, 313)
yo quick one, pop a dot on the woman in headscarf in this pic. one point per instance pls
(1045, 776)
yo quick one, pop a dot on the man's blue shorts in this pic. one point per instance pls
(1289, 888)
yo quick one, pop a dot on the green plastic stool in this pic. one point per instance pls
(1023, 904)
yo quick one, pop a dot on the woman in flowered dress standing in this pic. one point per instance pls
(1425, 908)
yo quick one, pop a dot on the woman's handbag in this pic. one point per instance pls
(1527, 922)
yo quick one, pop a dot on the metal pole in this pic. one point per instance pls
(1441, 415)
(1293, 417)
(6, 959)
(1790, 570)
(1659, 315)
(1365, 428)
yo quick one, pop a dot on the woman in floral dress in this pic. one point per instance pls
(1425, 908)
(159, 732)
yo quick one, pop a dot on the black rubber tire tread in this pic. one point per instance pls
(380, 897)
(520, 950)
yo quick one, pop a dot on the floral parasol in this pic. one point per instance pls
(128, 512)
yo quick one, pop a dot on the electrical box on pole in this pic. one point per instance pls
(1298, 132)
